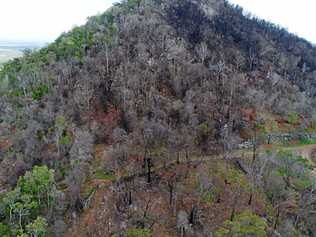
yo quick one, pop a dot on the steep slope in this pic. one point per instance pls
(170, 88)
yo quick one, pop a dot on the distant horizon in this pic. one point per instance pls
(21, 41)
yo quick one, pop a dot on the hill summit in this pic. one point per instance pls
(160, 118)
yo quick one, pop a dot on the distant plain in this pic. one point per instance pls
(8, 54)
(11, 49)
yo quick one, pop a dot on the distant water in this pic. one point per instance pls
(14, 49)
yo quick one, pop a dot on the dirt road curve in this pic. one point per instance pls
(308, 151)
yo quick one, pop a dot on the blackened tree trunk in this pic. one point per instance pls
(149, 165)
(130, 201)
(193, 215)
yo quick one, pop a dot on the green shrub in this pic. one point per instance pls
(33, 193)
(16, 92)
(38, 227)
(101, 174)
(293, 118)
(133, 3)
(127, 5)
(245, 224)
(39, 92)
(4, 230)
(72, 44)
(139, 233)
(65, 139)
(305, 141)
(39, 183)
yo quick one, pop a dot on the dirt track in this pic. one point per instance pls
(306, 151)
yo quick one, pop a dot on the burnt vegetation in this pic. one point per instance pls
(131, 126)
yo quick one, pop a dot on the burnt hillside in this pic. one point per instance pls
(131, 126)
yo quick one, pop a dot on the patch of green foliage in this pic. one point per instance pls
(9, 70)
(65, 139)
(127, 5)
(237, 179)
(104, 175)
(18, 92)
(38, 183)
(295, 170)
(139, 233)
(305, 141)
(293, 118)
(72, 44)
(39, 92)
(38, 227)
(21, 207)
(40, 134)
(4, 230)
(245, 224)
(29, 65)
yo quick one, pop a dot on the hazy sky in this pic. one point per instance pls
(47, 19)
(297, 16)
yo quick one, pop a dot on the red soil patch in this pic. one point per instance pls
(4, 144)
